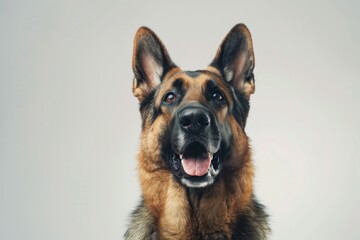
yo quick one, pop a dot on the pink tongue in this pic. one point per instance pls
(196, 166)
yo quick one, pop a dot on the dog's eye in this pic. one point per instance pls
(217, 96)
(170, 98)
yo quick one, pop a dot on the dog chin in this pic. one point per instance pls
(202, 181)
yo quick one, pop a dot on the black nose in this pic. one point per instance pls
(194, 120)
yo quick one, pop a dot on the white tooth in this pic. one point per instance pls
(181, 156)
(210, 156)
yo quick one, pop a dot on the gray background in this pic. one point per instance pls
(69, 125)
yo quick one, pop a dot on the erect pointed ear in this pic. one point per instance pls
(150, 62)
(235, 60)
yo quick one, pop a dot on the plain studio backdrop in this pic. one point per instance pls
(70, 127)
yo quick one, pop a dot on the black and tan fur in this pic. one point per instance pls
(195, 113)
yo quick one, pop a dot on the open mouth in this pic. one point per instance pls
(196, 166)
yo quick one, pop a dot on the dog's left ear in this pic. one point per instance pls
(150, 62)
(235, 60)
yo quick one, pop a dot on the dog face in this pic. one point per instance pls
(193, 121)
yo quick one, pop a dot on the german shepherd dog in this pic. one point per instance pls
(194, 163)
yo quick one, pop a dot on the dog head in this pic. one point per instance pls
(193, 121)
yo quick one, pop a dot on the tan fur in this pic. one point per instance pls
(174, 221)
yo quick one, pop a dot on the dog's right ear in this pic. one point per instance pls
(150, 62)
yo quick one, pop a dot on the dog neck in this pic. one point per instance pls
(185, 213)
